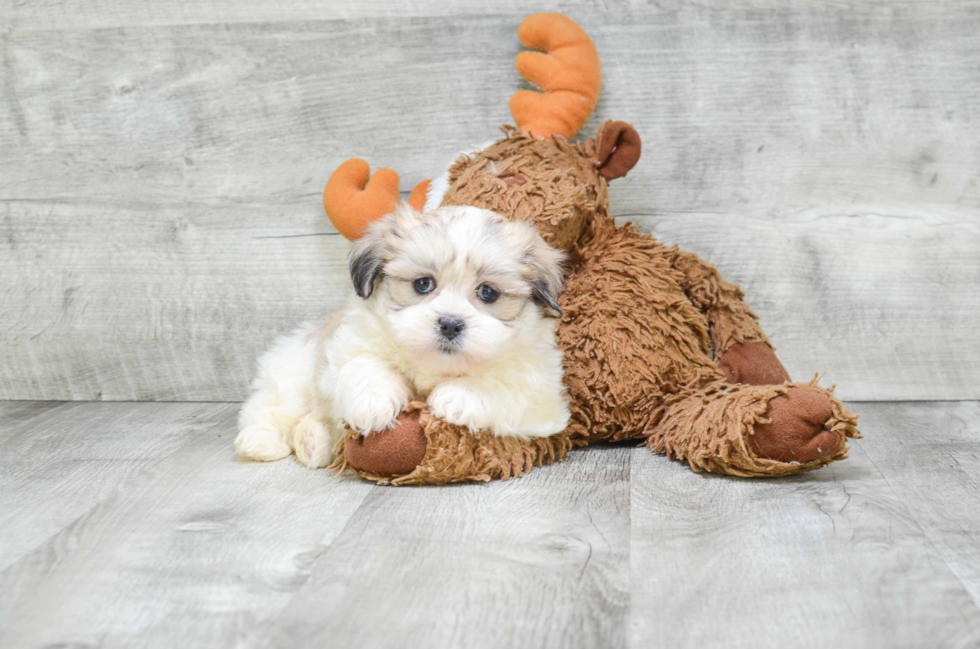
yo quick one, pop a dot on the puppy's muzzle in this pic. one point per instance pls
(450, 328)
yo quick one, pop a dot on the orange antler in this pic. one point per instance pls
(352, 198)
(566, 68)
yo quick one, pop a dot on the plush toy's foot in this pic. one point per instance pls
(797, 430)
(422, 449)
(396, 451)
(754, 430)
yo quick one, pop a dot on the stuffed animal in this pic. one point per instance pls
(657, 346)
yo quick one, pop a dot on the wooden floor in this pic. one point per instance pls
(135, 525)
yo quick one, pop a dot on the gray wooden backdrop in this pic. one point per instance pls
(161, 165)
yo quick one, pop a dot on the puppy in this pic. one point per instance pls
(455, 306)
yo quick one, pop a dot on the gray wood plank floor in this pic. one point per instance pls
(135, 525)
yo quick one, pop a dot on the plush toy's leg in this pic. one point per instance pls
(730, 320)
(754, 430)
(422, 449)
(808, 424)
(754, 363)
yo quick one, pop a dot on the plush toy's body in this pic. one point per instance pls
(657, 346)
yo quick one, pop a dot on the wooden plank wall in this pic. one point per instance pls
(162, 163)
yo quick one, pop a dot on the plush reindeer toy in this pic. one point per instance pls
(657, 346)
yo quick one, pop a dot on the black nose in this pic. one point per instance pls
(450, 327)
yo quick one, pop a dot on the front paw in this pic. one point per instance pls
(374, 410)
(459, 406)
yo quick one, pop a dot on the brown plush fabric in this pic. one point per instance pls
(561, 189)
(454, 454)
(553, 183)
(642, 324)
(730, 319)
(628, 332)
(754, 363)
(711, 427)
(391, 452)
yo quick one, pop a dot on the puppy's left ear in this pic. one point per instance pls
(376, 246)
(547, 269)
(367, 260)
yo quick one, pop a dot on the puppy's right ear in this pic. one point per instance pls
(377, 246)
(547, 266)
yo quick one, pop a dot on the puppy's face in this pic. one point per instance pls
(457, 284)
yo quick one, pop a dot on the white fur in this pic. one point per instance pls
(503, 376)
(436, 191)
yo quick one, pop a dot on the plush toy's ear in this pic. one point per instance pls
(619, 149)
(353, 198)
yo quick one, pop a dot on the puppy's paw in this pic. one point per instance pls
(460, 406)
(375, 410)
(261, 444)
(313, 443)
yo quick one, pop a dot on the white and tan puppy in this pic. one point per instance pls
(455, 306)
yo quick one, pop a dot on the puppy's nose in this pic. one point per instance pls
(450, 327)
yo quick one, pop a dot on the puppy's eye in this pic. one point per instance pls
(424, 285)
(486, 293)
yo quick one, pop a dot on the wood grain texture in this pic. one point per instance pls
(12, 413)
(930, 455)
(160, 304)
(192, 552)
(57, 465)
(831, 289)
(832, 558)
(614, 547)
(51, 14)
(884, 306)
(203, 549)
(147, 148)
(536, 562)
(48, 14)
